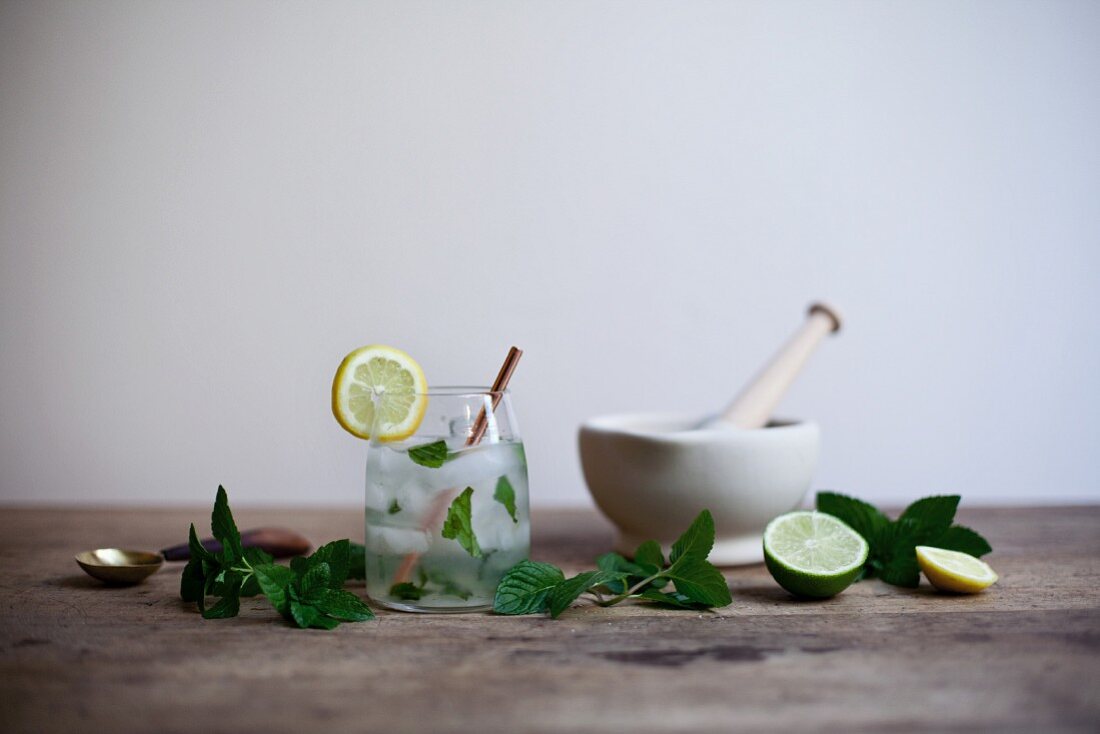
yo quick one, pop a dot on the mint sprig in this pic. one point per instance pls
(892, 556)
(309, 593)
(525, 586)
(530, 587)
(227, 574)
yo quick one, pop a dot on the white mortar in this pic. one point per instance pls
(651, 476)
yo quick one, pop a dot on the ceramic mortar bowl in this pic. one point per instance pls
(651, 475)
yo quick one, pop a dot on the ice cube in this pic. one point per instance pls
(492, 523)
(396, 541)
(415, 500)
(377, 498)
(470, 468)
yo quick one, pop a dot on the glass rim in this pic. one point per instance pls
(462, 391)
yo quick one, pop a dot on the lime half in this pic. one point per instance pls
(383, 380)
(813, 554)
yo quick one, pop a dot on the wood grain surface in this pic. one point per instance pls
(76, 656)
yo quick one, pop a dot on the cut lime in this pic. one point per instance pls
(381, 379)
(813, 554)
(954, 571)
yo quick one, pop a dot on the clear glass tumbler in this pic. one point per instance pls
(447, 508)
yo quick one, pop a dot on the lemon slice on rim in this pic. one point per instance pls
(954, 571)
(381, 379)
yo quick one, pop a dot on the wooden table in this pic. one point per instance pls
(77, 656)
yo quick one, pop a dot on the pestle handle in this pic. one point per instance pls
(754, 405)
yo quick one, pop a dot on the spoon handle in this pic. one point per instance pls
(279, 542)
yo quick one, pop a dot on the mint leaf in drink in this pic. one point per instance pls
(459, 526)
(506, 496)
(694, 577)
(432, 455)
(406, 591)
(445, 585)
(962, 539)
(395, 507)
(697, 539)
(431, 582)
(525, 586)
(225, 529)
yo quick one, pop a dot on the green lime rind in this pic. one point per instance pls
(813, 555)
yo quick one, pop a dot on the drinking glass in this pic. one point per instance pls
(447, 508)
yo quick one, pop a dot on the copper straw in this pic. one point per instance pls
(481, 424)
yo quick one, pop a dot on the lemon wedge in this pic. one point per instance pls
(379, 388)
(954, 571)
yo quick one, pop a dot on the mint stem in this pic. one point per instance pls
(629, 592)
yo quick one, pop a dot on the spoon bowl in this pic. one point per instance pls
(119, 567)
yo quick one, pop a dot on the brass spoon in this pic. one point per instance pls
(119, 567)
(124, 567)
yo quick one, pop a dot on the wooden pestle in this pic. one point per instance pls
(754, 405)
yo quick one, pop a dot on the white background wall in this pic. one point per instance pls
(205, 205)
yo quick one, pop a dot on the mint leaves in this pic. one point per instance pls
(928, 521)
(530, 587)
(432, 455)
(227, 574)
(459, 523)
(431, 582)
(524, 589)
(309, 593)
(505, 494)
(312, 594)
